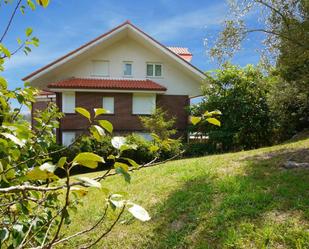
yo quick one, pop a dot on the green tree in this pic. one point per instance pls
(160, 124)
(241, 96)
(285, 25)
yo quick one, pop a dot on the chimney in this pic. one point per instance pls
(182, 52)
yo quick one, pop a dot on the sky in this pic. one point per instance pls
(67, 24)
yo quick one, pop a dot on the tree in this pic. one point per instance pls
(241, 96)
(285, 24)
(159, 124)
(280, 20)
(35, 203)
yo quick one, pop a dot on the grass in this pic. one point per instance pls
(235, 200)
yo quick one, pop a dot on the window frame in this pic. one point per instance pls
(65, 105)
(154, 99)
(109, 97)
(154, 64)
(124, 63)
(67, 132)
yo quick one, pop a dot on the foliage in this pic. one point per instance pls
(285, 25)
(241, 95)
(290, 108)
(142, 152)
(160, 124)
(281, 21)
(35, 203)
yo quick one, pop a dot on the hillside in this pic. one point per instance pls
(235, 200)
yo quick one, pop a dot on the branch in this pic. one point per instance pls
(277, 34)
(275, 10)
(84, 231)
(108, 230)
(64, 209)
(10, 21)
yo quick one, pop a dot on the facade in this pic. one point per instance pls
(124, 71)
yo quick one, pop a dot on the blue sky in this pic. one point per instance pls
(67, 24)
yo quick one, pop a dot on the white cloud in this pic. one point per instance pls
(174, 26)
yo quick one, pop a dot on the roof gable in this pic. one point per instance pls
(103, 38)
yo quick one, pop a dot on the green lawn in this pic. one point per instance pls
(235, 200)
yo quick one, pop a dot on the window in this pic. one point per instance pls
(68, 102)
(127, 69)
(67, 137)
(144, 103)
(100, 68)
(108, 104)
(154, 70)
(145, 135)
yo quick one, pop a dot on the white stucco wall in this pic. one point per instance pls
(174, 77)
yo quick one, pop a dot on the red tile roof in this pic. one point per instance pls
(180, 50)
(112, 84)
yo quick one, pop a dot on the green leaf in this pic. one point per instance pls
(61, 162)
(128, 147)
(213, 121)
(106, 125)
(13, 138)
(99, 111)
(38, 174)
(139, 212)
(83, 112)
(4, 50)
(131, 161)
(48, 166)
(80, 191)
(216, 112)
(121, 171)
(31, 4)
(99, 130)
(4, 234)
(43, 3)
(28, 31)
(89, 182)
(195, 120)
(117, 142)
(153, 148)
(87, 159)
(124, 166)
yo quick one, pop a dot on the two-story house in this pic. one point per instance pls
(124, 71)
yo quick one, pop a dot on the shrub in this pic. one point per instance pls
(241, 95)
(143, 152)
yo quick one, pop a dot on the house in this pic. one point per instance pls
(124, 71)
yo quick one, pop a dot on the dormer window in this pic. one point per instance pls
(154, 70)
(127, 69)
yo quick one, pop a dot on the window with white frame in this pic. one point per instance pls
(68, 102)
(143, 103)
(154, 70)
(127, 68)
(100, 68)
(68, 137)
(108, 104)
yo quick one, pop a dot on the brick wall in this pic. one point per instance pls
(123, 120)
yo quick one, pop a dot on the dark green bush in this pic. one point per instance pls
(241, 95)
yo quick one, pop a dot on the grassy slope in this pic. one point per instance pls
(235, 200)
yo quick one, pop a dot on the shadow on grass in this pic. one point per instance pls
(263, 206)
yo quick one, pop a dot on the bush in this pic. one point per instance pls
(143, 153)
(241, 96)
